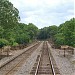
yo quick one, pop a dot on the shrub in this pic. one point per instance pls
(74, 45)
(15, 44)
(3, 42)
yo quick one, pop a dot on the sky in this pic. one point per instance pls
(44, 13)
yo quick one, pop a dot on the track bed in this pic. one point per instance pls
(11, 67)
(45, 63)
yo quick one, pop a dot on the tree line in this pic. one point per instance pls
(64, 34)
(13, 33)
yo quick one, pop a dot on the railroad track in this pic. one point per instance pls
(11, 67)
(44, 64)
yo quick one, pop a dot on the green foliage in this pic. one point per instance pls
(42, 34)
(8, 14)
(73, 38)
(24, 33)
(10, 28)
(1, 32)
(22, 39)
(15, 44)
(68, 31)
(47, 32)
(64, 34)
(32, 29)
(3, 42)
(52, 30)
(59, 39)
(12, 32)
(11, 41)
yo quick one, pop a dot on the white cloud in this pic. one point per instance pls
(44, 12)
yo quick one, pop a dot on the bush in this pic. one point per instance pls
(11, 41)
(59, 39)
(74, 45)
(15, 44)
(3, 42)
(22, 39)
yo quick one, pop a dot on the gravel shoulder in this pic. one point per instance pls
(65, 64)
(14, 53)
(27, 66)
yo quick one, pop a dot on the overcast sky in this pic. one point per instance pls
(44, 13)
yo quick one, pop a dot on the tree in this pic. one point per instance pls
(47, 32)
(21, 33)
(73, 36)
(68, 31)
(9, 15)
(3, 42)
(1, 32)
(33, 30)
(42, 34)
(59, 39)
(10, 28)
(52, 30)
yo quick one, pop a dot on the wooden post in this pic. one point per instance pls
(59, 52)
(7, 53)
(64, 52)
(0, 53)
(8, 49)
(73, 51)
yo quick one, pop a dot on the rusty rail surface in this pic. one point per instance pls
(41, 67)
(51, 63)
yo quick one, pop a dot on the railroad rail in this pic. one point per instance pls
(44, 64)
(12, 66)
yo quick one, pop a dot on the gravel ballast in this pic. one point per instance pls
(65, 64)
(27, 66)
